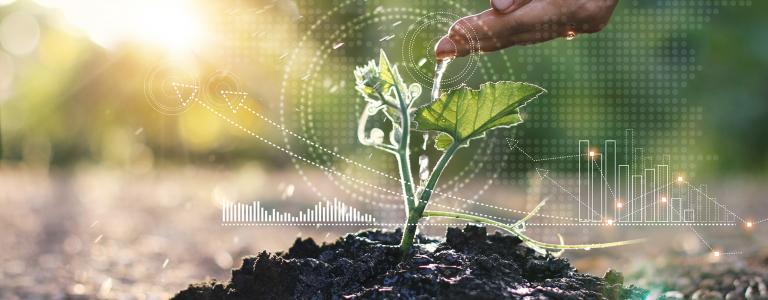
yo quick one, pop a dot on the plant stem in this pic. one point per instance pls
(417, 212)
(524, 238)
(403, 160)
(404, 154)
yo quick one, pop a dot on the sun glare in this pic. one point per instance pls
(175, 25)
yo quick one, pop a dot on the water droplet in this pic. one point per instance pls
(423, 167)
(424, 175)
(570, 35)
(440, 68)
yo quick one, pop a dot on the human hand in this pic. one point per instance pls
(521, 22)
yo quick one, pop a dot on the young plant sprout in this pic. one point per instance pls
(458, 116)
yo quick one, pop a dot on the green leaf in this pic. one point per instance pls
(386, 76)
(465, 114)
(443, 141)
(380, 83)
(375, 81)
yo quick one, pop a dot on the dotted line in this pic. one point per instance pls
(605, 180)
(630, 214)
(462, 224)
(288, 71)
(340, 34)
(192, 97)
(701, 238)
(363, 182)
(558, 157)
(302, 158)
(714, 201)
(320, 147)
(518, 148)
(347, 224)
(240, 103)
(368, 168)
(633, 224)
(284, 85)
(316, 65)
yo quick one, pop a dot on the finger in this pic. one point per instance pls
(507, 6)
(491, 31)
(461, 40)
(445, 48)
(487, 31)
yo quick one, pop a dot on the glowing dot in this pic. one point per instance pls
(749, 224)
(570, 35)
(716, 253)
(609, 222)
(619, 205)
(664, 199)
(591, 153)
(679, 178)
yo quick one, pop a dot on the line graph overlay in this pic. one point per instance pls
(631, 191)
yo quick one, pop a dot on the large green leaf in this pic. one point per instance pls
(464, 114)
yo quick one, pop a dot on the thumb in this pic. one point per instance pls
(508, 6)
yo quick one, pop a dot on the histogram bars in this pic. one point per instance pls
(323, 212)
(635, 191)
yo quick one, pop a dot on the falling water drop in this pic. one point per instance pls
(570, 35)
(423, 167)
(440, 67)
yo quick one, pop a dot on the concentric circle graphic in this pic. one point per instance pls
(318, 100)
(171, 90)
(418, 49)
(223, 89)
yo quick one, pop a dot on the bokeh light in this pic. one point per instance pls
(19, 33)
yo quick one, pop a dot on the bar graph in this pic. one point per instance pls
(635, 191)
(323, 212)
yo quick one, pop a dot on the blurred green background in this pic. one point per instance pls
(72, 75)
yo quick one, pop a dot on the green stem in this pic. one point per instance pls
(404, 154)
(524, 238)
(417, 212)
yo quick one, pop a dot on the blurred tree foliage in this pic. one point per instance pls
(73, 101)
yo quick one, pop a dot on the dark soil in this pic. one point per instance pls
(469, 264)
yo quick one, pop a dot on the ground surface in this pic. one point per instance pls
(469, 264)
(95, 233)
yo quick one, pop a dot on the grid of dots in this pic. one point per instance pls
(629, 76)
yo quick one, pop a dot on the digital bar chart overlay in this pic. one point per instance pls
(323, 212)
(633, 190)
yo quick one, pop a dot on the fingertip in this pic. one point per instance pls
(502, 6)
(445, 48)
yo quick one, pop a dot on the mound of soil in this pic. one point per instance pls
(469, 264)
